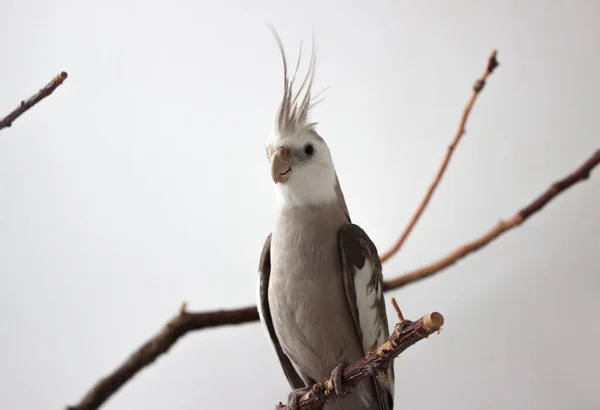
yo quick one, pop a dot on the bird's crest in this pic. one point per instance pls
(292, 115)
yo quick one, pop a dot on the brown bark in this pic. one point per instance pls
(33, 100)
(477, 87)
(580, 174)
(182, 323)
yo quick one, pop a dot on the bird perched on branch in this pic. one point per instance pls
(320, 281)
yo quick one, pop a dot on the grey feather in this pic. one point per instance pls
(359, 256)
(264, 311)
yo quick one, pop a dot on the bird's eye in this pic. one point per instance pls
(309, 149)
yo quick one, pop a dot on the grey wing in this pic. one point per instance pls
(264, 313)
(363, 280)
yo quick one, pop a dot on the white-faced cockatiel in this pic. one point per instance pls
(320, 282)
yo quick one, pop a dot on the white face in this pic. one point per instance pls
(302, 170)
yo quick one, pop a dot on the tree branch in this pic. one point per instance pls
(404, 335)
(182, 323)
(580, 174)
(33, 100)
(477, 87)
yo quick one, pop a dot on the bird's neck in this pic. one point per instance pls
(303, 191)
(310, 191)
(304, 220)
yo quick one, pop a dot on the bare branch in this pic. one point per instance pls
(33, 100)
(477, 87)
(404, 335)
(158, 345)
(580, 174)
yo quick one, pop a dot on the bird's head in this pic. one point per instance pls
(301, 165)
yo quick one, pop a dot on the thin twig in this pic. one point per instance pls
(404, 335)
(580, 174)
(477, 87)
(33, 100)
(397, 309)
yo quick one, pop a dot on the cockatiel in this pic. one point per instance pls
(320, 281)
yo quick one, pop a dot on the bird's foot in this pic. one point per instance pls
(336, 379)
(295, 395)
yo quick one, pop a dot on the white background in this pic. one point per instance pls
(142, 182)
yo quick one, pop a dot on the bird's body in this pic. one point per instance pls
(320, 286)
(306, 261)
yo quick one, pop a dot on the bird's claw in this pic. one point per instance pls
(336, 379)
(295, 395)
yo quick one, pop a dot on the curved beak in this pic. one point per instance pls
(281, 168)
